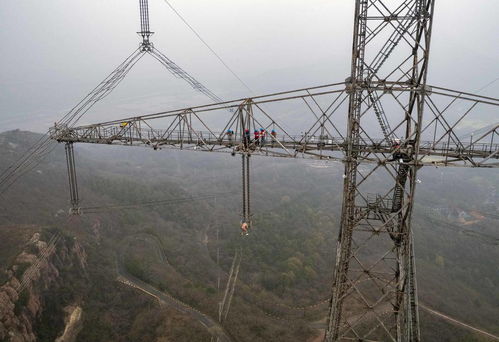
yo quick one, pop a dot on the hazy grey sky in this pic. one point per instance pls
(54, 51)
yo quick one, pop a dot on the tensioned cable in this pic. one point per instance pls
(208, 46)
(80, 104)
(8, 176)
(487, 85)
(490, 239)
(72, 117)
(37, 150)
(99, 92)
(154, 203)
(28, 159)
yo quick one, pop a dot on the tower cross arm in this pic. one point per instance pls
(193, 129)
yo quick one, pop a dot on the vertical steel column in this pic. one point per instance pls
(243, 178)
(246, 216)
(73, 184)
(344, 245)
(245, 114)
(375, 277)
(424, 17)
(248, 190)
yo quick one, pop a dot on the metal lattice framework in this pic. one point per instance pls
(204, 128)
(373, 123)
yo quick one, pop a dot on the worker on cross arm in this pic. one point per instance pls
(399, 152)
(273, 133)
(257, 137)
(230, 133)
(395, 144)
(262, 137)
(246, 137)
(244, 228)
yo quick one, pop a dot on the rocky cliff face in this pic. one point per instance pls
(73, 323)
(39, 269)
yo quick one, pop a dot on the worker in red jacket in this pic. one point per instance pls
(262, 136)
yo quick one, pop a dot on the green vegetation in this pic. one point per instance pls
(12, 240)
(21, 302)
(134, 267)
(287, 259)
(21, 268)
(51, 321)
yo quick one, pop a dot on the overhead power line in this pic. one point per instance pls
(34, 155)
(487, 85)
(208, 46)
(138, 205)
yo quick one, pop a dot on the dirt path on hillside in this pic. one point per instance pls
(213, 327)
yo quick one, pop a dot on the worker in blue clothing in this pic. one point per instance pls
(273, 133)
(230, 134)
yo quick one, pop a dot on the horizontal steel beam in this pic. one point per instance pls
(187, 131)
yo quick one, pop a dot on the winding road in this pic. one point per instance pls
(212, 326)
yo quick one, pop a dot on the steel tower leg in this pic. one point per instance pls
(344, 245)
(246, 216)
(374, 285)
(73, 184)
(245, 118)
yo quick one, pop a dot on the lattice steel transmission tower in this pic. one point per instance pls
(383, 287)
(386, 140)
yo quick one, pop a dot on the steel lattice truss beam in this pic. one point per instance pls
(384, 122)
(319, 114)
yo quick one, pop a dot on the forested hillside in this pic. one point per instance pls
(171, 221)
